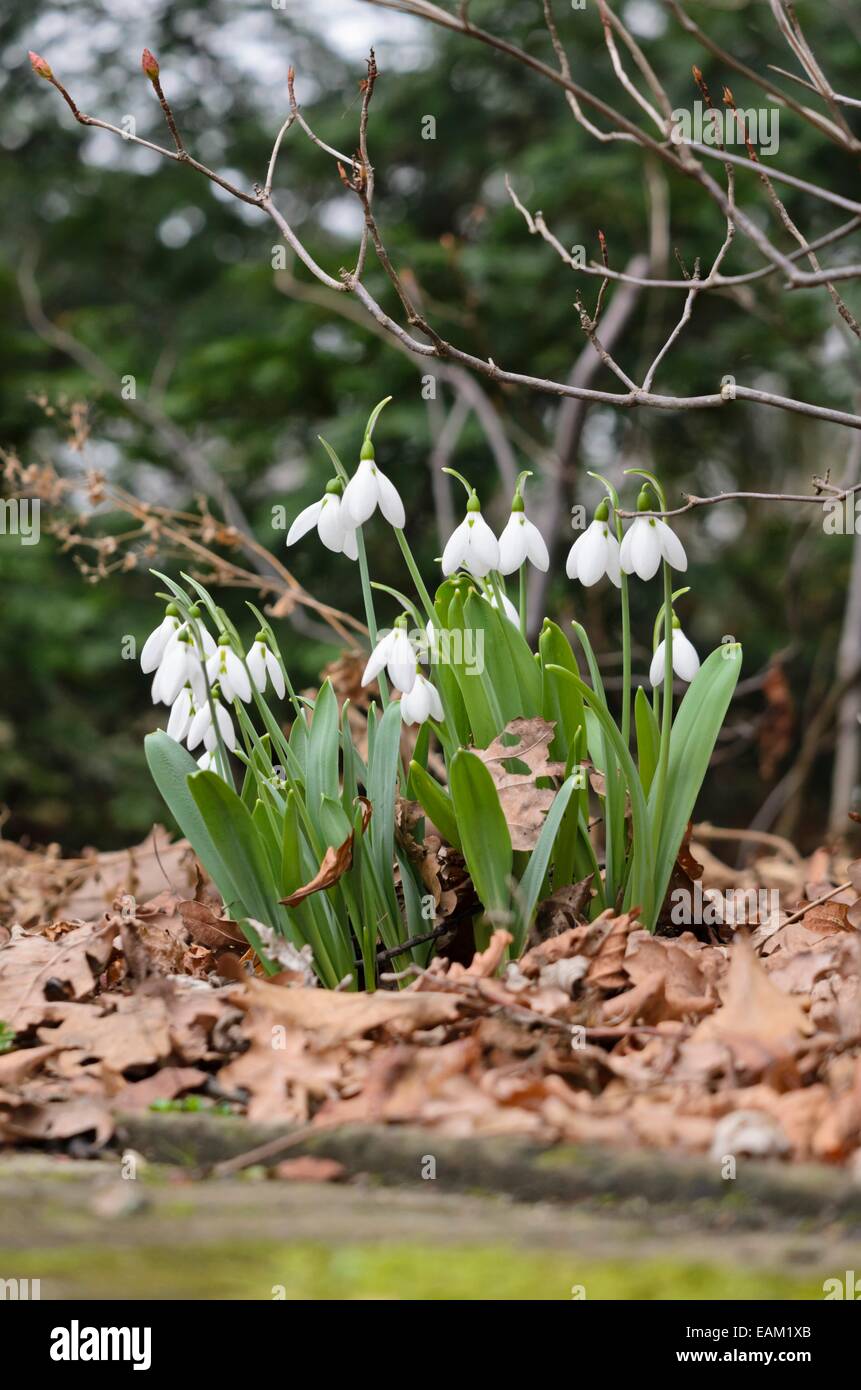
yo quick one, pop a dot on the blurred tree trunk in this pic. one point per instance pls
(845, 776)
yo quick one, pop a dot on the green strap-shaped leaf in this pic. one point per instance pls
(171, 765)
(484, 837)
(321, 770)
(560, 704)
(648, 738)
(640, 889)
(696, 726)
(479, 696)
(436, 801)
(539, 860)
(234, 835)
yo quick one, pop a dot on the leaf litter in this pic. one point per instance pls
(741, 1037)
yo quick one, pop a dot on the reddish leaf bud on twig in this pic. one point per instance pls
(39, 66)
(149, 63)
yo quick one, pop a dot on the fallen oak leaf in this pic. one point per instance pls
(754, 1009)
(201, 923)
(337, 1017)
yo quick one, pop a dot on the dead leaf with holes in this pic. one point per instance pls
(516, 760)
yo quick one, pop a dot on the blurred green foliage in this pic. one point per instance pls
(168, 280)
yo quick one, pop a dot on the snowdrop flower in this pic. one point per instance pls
(686, 663)
(334, 526)
(181, 665)
(225, 667)
(421, 702)
(472, 544)
(262, 663)
(155, 644)
(207, 762)
(648, 541)
(595, 552)
(368, 489)
(508, 608)
(182, 713)
(521, 540)
(202, 726)
(396, 653)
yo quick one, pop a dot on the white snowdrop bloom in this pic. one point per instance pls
(421, 702)
(182, 712)
(520, 541)
(368, 489)
(202, 727)
(397, 654)
(263, 662)
(225, 667)
(207, 762)
(648, 541)
(686, 663)
(180, 665)
(472, 544)
(595, 552)
(155, 644)
(334, 526)
(508, 608)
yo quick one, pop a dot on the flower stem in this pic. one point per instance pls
(666, 704)
(413, 568)
(370, 615)
(626, 662)
(522, 599)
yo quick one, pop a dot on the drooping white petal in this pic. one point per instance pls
(155, 644)
(199, 725)
(378, 658)
(592, 556)
(173, 673)
(641, 549)
(656, 670)
(671, 547)
(686, 663)
(401, 664)
(434, 701)
(330, 523)
(389, 498)
(572, 564)
(361, 495)
(181, 715)
(350, 548)
(257, 665)
(276, 675)
(612, 557)
(456, 548)
(206, 762)
(240, 686)
(513, 544)
(225, 726)
(303, 523)
(483, 547)
(536, 547)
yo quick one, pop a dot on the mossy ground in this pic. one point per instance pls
(308, 1270)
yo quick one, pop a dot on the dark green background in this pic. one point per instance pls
(256, 376)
